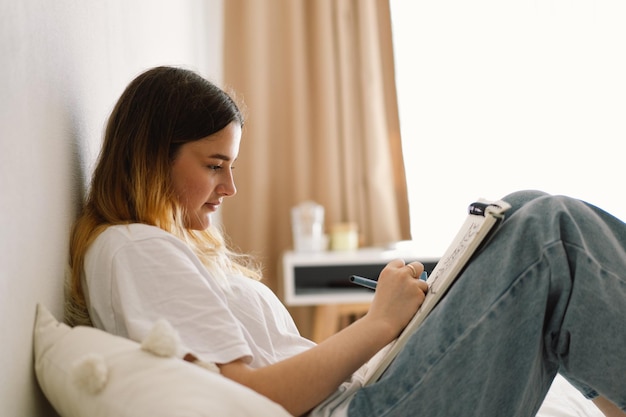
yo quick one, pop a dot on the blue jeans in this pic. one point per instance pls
(546, 295)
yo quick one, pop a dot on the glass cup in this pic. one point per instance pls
(307, 221)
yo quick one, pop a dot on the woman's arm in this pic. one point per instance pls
(303, 381)
(608, 408)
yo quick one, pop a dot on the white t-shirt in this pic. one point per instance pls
(137, 274)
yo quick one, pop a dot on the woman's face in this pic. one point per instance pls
(202, 174)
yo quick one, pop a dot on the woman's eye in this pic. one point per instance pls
(214, 167)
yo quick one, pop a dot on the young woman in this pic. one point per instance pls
(547, 295)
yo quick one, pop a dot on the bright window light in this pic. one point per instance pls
(500, 96)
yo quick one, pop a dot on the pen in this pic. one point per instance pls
(365, 282)
(370, 283)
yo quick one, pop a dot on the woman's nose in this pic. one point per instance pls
(228, 188)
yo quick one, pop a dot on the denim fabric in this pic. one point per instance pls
(546, 295)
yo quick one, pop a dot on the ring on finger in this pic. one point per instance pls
(413, 270)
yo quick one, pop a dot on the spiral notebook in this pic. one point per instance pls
(482, 216)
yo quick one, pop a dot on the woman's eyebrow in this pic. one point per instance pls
(223, 157)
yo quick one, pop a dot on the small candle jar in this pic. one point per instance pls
(344, 236)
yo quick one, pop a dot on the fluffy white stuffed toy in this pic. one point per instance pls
(90, 372)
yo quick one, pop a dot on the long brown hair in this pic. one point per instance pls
(159, 111)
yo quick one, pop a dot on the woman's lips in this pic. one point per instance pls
(212, 206)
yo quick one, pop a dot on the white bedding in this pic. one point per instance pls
(564, 400)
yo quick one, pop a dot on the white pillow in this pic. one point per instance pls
(125, 380)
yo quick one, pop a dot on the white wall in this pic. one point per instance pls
(497, 96)
(63, 65)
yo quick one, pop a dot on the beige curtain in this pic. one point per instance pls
(317, 79)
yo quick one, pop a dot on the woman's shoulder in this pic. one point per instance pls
(136, 244)
(116, 237)
(133, 232)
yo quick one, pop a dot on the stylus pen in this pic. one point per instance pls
(365, 282)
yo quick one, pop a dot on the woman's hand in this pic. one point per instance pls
(399, 293)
